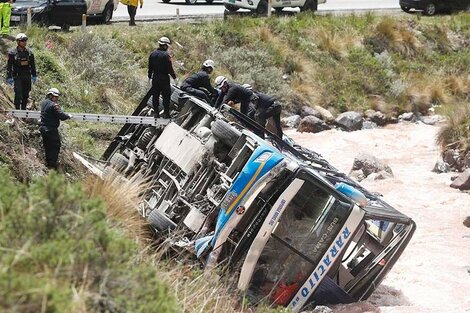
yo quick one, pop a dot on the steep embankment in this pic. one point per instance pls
(433, 273)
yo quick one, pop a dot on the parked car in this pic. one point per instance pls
(431, 7)
(63, 13)
(261, 6)
(292, 229)
(102, 9)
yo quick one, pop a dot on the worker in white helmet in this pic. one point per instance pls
(231, 93)
(51, 115)
(160, 69)
(194, 83)
(21, 71)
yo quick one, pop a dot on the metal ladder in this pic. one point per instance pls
(100, 118)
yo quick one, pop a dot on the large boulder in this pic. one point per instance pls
(369, 164)
(441, 167)
(307, 111)
(451, 157)
(312, 124)
(369, 125)
(291, 121)
(462, 182)
(350, 120)
(325, 114)
(376, 116)
(466, 222)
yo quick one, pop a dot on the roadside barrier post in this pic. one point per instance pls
(83, 22)
(270, 7)
(28, 17)
(177, 15)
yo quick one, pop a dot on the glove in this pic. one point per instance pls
(10, 81)
(34, 79)
(70, 116)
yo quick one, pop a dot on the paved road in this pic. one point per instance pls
(158, 8)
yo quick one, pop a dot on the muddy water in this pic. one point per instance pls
(433, 273)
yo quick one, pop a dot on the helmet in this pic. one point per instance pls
(209, 63)
(53, 91)
(247, 86)
(164, 41)
(21, 36)
(220, 80)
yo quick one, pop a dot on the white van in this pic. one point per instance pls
(103, 9)
(261, 6)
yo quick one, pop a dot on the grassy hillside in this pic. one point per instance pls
(69, 246)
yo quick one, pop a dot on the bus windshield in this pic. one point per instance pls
(310, 222)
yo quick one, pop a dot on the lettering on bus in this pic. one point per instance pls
(277, 212)
(325, 236)
(322, 268)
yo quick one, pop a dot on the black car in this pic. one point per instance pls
(63, 13)
(431, 7)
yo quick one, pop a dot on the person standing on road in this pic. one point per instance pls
(132, 9)
(201, 79)
(51, 115)
(267, 107)
(21, 71)
(159, 71)
(5, 15)
(231, 93)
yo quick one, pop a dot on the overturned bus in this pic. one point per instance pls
(295, 231)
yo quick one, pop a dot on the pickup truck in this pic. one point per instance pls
(291, 228)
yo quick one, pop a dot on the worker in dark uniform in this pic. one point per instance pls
(159, 71)
(231, 93)
(21, 70)
(51, 115)
(201, 79)
(267, 107)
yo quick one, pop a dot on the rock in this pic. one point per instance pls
(466, 222)
(377, 117)
(291, 121)
(463, 181)
(307, 111)
(431, 119)
(325, 114)
(320, 309)
(441, 167)
(408, 116)
(451, 157)
(369, 125)
(370, 164)
(383, 175)
(312, 124)
(350, 120)
(357, 175)
(466, 160)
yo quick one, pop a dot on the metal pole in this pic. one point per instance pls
(84, 23)
(270, 7)
(28, 17)
(177, 15)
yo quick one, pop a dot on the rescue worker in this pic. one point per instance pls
(231, 93)
(201, 79)
(5, 16)
(132, 9)
(21, 71)
(51, 115)
(159, 71)
(267, 107)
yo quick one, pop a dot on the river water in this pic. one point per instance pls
(433, 274)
